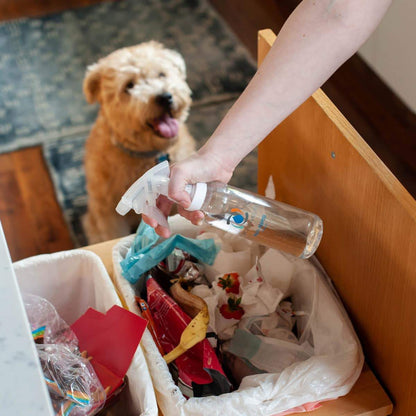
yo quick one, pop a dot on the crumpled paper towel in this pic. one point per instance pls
(264, 280)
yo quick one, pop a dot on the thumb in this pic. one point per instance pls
(181, 197)
(176, 191)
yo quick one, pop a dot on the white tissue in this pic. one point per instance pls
(264, 280)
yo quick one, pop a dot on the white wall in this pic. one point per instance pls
(391, 50)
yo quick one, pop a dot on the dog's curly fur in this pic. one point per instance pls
(136, 88)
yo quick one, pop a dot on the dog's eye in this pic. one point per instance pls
(162, 75)
(129, 86)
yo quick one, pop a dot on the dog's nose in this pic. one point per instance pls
(165, 100)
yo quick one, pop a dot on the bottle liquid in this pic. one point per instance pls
(257, 218)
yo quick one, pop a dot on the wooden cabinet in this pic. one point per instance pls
(367, 397)
(320, 163)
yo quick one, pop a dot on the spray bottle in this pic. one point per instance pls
(257, 218)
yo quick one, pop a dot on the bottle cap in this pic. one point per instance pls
(200, 192)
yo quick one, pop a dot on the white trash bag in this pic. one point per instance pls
(326, 336)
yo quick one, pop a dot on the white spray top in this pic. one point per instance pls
(142, 195)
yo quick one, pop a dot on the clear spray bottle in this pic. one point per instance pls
(257, 218)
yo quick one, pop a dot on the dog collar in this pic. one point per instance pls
(157, 154)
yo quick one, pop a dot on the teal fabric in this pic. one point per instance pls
(147, 251)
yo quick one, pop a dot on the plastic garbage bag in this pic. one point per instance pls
(73, 385)
(330, 372)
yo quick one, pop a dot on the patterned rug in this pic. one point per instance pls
(42, 65)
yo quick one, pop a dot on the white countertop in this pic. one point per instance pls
(23, 391)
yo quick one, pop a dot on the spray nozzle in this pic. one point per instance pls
(142, 195)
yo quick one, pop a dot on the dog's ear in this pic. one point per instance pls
(92, 83)
(176, 59)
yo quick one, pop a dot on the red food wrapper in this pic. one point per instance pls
(111, 339)
(199, 370)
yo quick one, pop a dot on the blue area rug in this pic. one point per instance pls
(42, 66)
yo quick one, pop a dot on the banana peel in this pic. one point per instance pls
(195, 332)
(191, 304)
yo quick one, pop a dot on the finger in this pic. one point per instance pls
(149, 221)
(184, 213)
(162, 231)
(196, 217)
(164, 204)
(177, 185)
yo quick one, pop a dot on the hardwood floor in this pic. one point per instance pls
(14, 9)
(31, 217)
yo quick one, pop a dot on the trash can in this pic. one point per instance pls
(330, 372)
(74, 281)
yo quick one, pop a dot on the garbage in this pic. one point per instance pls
(147, 251)
(73, 384)
(321, 357)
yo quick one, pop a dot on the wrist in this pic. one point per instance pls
(217, 160)
(220, 153)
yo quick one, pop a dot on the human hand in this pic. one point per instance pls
(200, 167)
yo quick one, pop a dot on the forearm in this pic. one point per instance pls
(318, 37)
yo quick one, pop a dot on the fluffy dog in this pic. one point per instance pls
(144, 102)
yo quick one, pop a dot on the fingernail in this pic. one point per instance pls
(198, 218)
(184, 203)
(165, 233)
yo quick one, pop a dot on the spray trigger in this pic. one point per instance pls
(156, 214)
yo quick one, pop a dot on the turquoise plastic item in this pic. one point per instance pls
(146, 251)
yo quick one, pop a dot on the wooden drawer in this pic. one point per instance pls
(367, 397)
(320, 163)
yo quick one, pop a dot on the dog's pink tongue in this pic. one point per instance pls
(166, 126)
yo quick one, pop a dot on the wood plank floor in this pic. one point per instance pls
(31, 217)
(29, 212)
(14, 9)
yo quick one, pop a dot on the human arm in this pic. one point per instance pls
(318, 37)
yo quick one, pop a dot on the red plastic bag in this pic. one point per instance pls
(199, 370)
